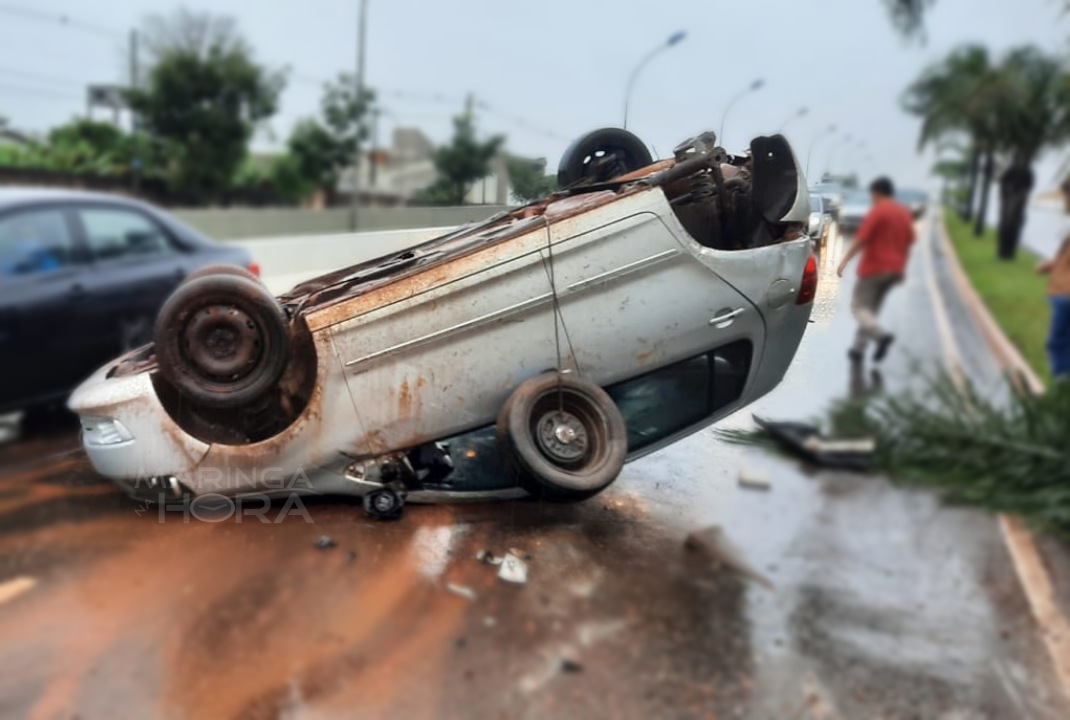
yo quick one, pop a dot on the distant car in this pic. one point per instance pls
(82, 277)
(915, 200)
(832, 192)
(856, 205)
(820, 220)
(628, 310)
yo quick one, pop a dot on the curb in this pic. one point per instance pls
(1021, 544)
(1005, 351)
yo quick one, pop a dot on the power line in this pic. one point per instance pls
(28, 13)
(41, 78)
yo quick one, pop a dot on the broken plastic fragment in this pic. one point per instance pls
(325, 541)
(513, 570)
(486, 556)
(754, 480)
(465, 592)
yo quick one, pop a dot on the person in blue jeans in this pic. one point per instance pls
(1058, 270)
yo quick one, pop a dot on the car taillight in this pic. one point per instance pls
(254, 268)
(808, 286)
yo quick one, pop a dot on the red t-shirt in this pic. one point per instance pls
(886, 235)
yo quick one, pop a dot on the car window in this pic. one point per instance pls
(667, 401)
(114, 234)
(816, 204)
(34, 242)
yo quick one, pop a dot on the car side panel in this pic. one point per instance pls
(445, 360)
(635, 298)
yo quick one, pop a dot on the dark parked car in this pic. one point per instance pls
(82, 277)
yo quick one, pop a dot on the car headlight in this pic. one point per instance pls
(104, 431)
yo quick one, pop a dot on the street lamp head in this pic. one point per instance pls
(803, 111)
(757, 84)
(676, 37)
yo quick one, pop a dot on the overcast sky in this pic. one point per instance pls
(550, 70)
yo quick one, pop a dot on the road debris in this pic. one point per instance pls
(486, 556)
(351, 556)
(808, 442)
(513, 569)
(714, 545)
(754, 480)
(15, 587)
(568, 665)
(324, 541)
(462, 590)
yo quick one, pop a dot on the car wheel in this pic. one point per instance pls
(601, 155)
(563, 437)
(384, 504)
(221, 269)
(223, 340)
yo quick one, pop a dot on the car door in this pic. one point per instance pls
(635, 298)
(136, 265)
(43, 339)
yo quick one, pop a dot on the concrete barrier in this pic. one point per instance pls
(242, 223)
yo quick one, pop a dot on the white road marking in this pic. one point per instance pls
(16, 586)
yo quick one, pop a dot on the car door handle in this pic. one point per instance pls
(727, 317)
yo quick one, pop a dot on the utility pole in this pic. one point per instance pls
(134, 129)
(374, 167)
(354, 186)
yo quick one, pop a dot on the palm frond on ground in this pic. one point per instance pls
(1007, 452)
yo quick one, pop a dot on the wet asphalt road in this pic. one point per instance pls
(883, 603)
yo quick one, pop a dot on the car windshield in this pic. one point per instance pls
(858, 198)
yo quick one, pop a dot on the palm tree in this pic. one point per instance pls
(1033, 99)
(955, 98)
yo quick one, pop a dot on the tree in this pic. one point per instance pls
(321, 150)
(957, 96)
(202, 100)
(461, 163)
(1034, 114)
(529, 179)
(85, 145)
(185, 31)
(1010, 112)
(908, 16)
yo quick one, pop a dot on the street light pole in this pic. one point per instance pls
(827, 131)
(753, 87)
(675, 38)
(798, 114)
(354, 186)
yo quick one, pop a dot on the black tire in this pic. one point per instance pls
(384, 504)
(222, 340)
(221, 269)
(601, 155)
(548, 466)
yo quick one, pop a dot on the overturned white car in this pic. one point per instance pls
(640, 303)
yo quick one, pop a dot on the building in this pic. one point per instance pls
(394, 176)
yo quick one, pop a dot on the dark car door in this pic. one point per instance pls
(136, 265)
(43, 340)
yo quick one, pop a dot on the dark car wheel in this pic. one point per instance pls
(221, 269)
(601, 155)
(222, 340)
(563, 437)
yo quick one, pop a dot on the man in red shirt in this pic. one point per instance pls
(884, 241)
